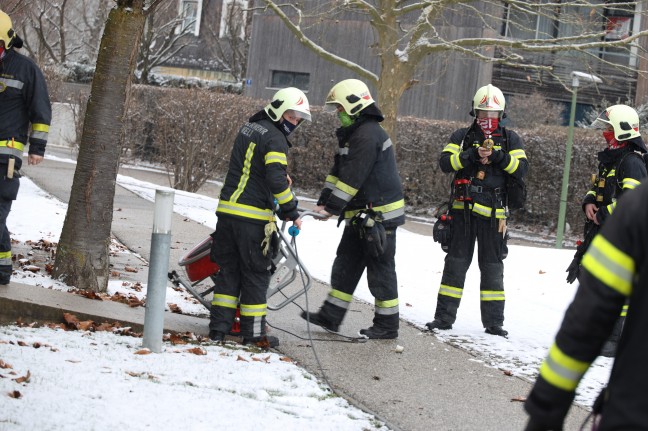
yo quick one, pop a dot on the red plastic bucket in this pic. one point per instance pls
(197, 263)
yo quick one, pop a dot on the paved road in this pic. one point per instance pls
(429, 386)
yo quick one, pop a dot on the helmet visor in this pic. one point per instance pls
(602, 121)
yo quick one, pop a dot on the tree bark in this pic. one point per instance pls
(82, 258)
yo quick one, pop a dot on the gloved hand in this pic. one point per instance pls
(496, 156)
(573, 270)
(472, 154)
(442, 232)
(375, 237)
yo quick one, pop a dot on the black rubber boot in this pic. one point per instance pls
(374, 333)
(438, 324)
(217, 336)
(497, 330)
(319, 320)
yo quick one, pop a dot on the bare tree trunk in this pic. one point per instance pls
(82, 258)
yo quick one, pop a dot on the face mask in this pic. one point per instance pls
(488, 125)
(345, 119)
(287, 127)
(611, 140)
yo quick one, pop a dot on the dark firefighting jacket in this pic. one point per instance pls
(483, 192)
(619, 170)
(257, 174)
(615, 270)
(24, 101)
(364, 174)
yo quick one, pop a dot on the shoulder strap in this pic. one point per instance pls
(617, 172)
(505, 139)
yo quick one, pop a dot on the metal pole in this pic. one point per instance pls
(565, 181)
(158, 268)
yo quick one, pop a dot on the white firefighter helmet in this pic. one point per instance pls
(623, 119)
(352, 94)
(488, 98)
(7, 32)
(286, 99)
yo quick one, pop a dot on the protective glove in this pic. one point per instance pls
(442, 232)
(573, 270)
(472, 155)
(496, 156)
(375, 237)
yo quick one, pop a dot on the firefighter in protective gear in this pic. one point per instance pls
(481, 156)
(245, 233)
(25, 116)
(364, 189)
(615, 272)
(621, 168)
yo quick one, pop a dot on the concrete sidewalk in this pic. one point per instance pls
(429, 386)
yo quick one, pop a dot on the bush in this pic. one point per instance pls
(192, 131)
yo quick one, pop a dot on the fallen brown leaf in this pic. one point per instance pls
(519, 399)
(15, 394)
(197, 351)
(23, 379)
(241, 358)
(143, 352)
(130, 269)
(4, 365)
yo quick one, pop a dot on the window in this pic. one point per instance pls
(281, 79)
(528, 24)
(190, 11)
(233, 17)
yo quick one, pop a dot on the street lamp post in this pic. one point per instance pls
(576, 77)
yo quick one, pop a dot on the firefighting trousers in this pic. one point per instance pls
(350, 262)
(243, 278)
(5, 243)
(492, 249)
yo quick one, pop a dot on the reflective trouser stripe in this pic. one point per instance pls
(386, 308)
(226, 301)
(339, 298)
(453, 292)
(254, 309)
(492, 295)
(5, 257)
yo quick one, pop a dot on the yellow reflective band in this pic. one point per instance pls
(455, 162)
(561, 370)
(39, 127)
(253, 310)
(513, 165)
(630, 183)
(5, 254)
(624, 311)
(245, 174)
(487, 211)
(452, 148)
(13, 144)
(612, 173)
(518, 154)
(285, 196)
(225, 301)
(341, 295)
(454, 292)
(275, 157)
(610, 265)
(346, 188)
(492, 295)
(387, 304)
(246, 211)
